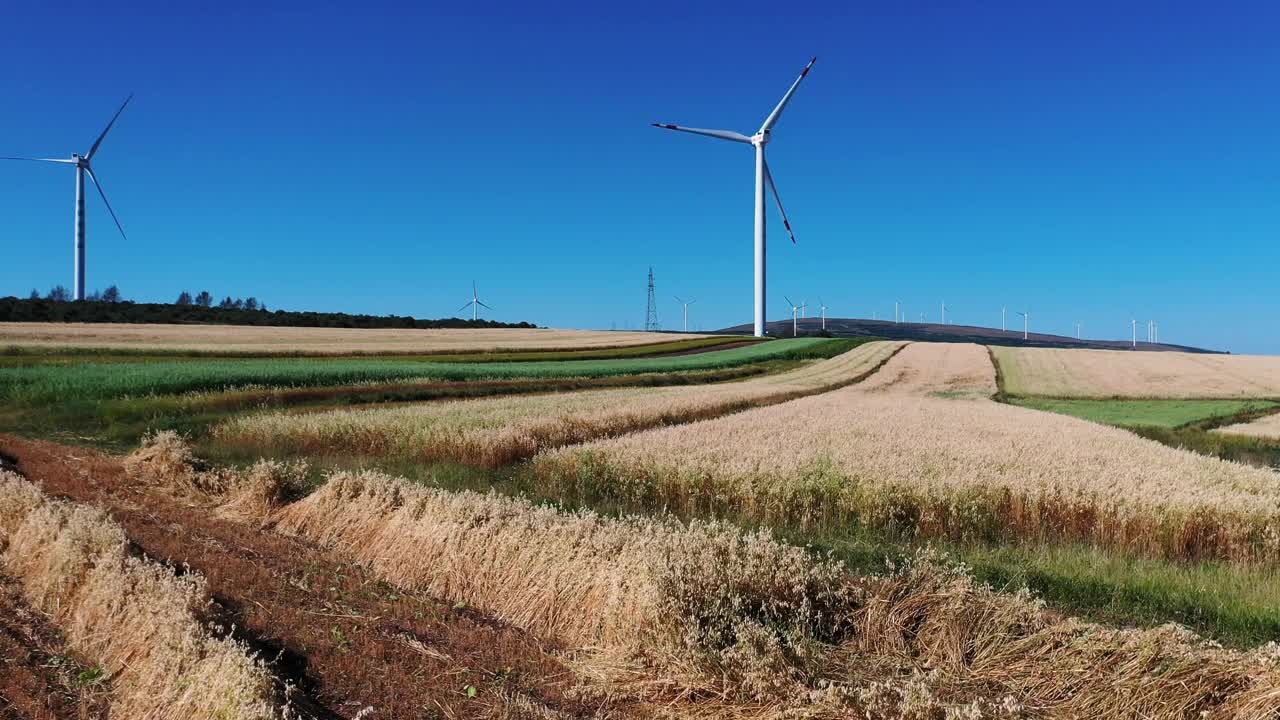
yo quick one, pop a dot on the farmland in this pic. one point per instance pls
(801, 528)
(1122, 374)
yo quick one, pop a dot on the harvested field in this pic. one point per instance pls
(1267, 427)
(930, 466)
(137, 619)
(493, 432)
(345, 640)
(339, 341)
(710, 615)
(1120, 374)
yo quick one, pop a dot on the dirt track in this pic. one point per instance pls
(347, 641)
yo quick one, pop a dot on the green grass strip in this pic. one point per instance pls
(1145, 413)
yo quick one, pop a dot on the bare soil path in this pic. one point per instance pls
(345, 640)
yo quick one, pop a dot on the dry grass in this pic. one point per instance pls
(232, 338)
(1264, 427)
(1118, 373)
(928, 466)
(136, 618)
(496, 431)
(722, 623)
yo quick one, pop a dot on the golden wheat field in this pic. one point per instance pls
(244, 339)
(1264, 427)
(932, 464)
(1116, 373)
(497, 431)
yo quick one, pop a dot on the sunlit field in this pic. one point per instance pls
(1121, 374)
(285, 340)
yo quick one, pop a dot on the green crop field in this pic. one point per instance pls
(1145, 413)
(93, 381)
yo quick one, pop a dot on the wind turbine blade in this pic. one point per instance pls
(106, 202)
(464, 307)
(785, 222)
(57, 160)
(777, 112)
(96, 143)
(692, 302)
(483, 305)
(721, 134)
(784, 297)
(677, 297)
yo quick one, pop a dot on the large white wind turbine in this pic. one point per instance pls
(475, 303)
(759, 140)
(82, 167)
(686, 310)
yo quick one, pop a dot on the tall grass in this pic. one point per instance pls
(493, 432)
(48, 384)
(136, 618)
(705, 614)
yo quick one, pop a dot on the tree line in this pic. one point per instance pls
(109, 306)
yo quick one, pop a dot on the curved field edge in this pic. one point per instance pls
(496, 432)
(138, 620)
(102, 381)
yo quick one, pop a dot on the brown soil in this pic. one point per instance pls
(345, 640)
(39, 679)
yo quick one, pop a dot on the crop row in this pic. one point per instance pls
(99, 381)
(496, 431)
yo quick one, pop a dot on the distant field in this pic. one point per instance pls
(94, 381)
(1123, 374)
(1146, 413)
(1267, 427)
(337, 341)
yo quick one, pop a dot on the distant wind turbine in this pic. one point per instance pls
(795, 328)
(824, 313)
(475, 303)
(944, 312)
(1135, 332)
(1077, 329)
(1026, 324)
(1004, 319)
(896, 316)
(82, 163)
(759, 140)
(686, 310)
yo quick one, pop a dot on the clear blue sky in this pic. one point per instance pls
(1090, 160)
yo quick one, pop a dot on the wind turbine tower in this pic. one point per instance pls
(1026, 324)
(795, 327)
(763, 176)
(824, 313)
(686, 310)
(83, 167)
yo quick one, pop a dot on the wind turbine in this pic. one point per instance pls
(944, 312)
(759, 140)
(1026, 324)
(1135, 333)
(895, 311)
(794, 309)
(686, 310)
(1077, 330)
(1004, 319)
(82, 163)
(824, 313)
(475, 303)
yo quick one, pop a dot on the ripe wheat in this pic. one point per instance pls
(705, 613)
(497, 431)
(136, 618)
(1118, 373)
(1264, 427)
(930, 466)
